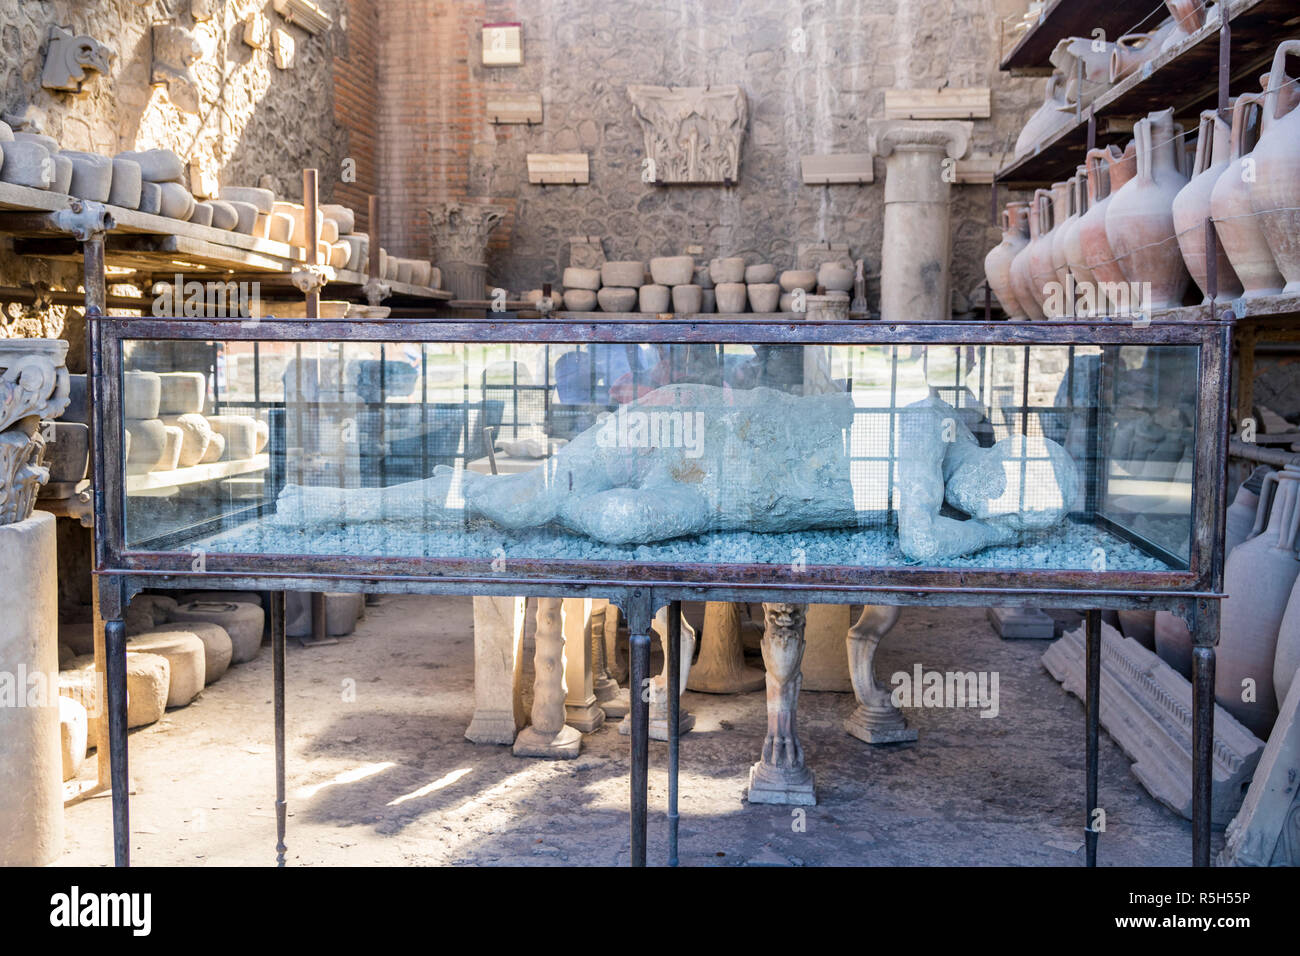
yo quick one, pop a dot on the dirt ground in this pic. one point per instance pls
(384, 775)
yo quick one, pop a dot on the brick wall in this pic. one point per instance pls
(356, 95)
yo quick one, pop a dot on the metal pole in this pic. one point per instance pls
(638, 620)
(1091, 705)
(674, 720)
(115, 663)
(277, 678)
(1202, 751)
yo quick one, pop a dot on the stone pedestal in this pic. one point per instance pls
(580, 706)
(877, 720)
(825, 657)
(782, 776)
(916, 254)
(659, 686)
(498, 661)
(548, 735)
(721, 668)
(1022, 623)
(31, 796)
(611, 698)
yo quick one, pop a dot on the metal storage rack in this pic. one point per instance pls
(638, 588)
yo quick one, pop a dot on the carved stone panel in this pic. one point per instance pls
(693, 134)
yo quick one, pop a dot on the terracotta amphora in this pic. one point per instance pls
(1188, 17)
(1085, 284)
(1048, 118)
(1132, 50)
(1192, 207)
(1065, 215)
(997, 264)
(1258, 578)
(1243, 513)
(1108, 170)
(1039, 254)
(1140, 220)
(1021, 284)
(1234, 216)
(1275, 193)
(1286, 659)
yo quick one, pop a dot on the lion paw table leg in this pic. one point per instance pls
(781, 776)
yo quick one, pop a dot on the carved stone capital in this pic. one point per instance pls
(693, 134)
(950, 137)
(33, 380)
(460, 230)
(311, 278)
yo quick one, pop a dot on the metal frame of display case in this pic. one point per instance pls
(639, 588)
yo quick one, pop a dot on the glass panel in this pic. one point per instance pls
(866, 456)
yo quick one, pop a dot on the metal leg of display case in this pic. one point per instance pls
(277, 678)
(674, 720)
(115, 667)
(1092, 717)
(639, 616)
(1202, 750)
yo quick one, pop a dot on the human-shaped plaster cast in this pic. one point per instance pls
(688, 459)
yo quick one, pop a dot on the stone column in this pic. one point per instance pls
(916, 252)
(460, 231)
(782, 776)
(659, 686)
(721, 668)
(611, 698)
(31, 797)
(877, 720)
(825, 661)
(498, 642)
(580, 705)
(548, 735)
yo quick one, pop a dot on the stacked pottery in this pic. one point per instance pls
(1021, 267)
(1234, 215)
(620, 282)
(997, 264)
(1134, 49)
(1054, 113)
(1188, 17)
(1066, 217)
(1258, 578)
(1108, 170)
(1275, 194)
(1086, 199)
(1192, 207)
(1039, 253)
(1140, 220)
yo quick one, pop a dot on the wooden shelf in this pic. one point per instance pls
(1185, 78)
(195, 474)
(1062, 19)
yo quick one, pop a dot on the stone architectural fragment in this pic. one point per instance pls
(1146, 707)
(68, 57)
(721, 668)
(877, 720)
(781, 776)
(1266, 832)
(498, 662)
(580, 706)
(693, 134)
(548, 735)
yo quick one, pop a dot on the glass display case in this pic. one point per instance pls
(836, 454)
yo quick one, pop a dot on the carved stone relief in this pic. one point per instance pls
(460, 230)
(175, 51)
(692, 134)
(68, 57)
(33, 385)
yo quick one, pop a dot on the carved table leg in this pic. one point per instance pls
(721, 668)
(877, 720)
(498, 641)
(611, 698)
(659, 686)
(548, 735)
(580, 705)
(781, 776)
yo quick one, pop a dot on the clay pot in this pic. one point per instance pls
(1054, 113)
(627, 274)
(616, 299)
(1192, 207)
(1108, 170)
(708, 300)
(1094, 57)
(672, 270)
(793, 279)
(1140, 219)
(730, 295)
(1234, 215)
(575, 278)
(1174, 642)
(997, 264)
(687, 298)
(727, 270)
(835, 277)
(764, 296)
(1065, 215)
(1188, 17)
(1239, 523)
(1286, 659)
(342, 215)
(702, 277)
(1275, 194)
(1038, 255)
(654, 297)
(1140, 626)
(1134, 49)
(1258, 578)
(833, 306)
(579, 300)
(759, 274)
